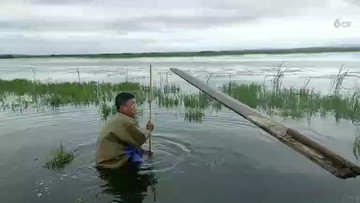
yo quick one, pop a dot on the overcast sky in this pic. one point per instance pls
(104, 26)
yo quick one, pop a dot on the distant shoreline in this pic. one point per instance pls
(190, 54)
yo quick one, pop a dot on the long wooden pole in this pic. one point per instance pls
(150, 100)
(327, 159)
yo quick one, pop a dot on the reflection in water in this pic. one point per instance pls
(128, 184)
(194, 114)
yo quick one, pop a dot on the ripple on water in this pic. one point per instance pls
(227, 119)
(168, 153)
(32, 119)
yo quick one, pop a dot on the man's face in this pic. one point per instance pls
(129, 108)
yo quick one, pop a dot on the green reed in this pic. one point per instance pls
(292, 103)
(296, 103)
(65, 93)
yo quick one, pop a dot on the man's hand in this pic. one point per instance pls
(146, 152)
(149, 153)
(150, 125)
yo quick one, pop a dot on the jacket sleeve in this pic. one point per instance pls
(133, 135)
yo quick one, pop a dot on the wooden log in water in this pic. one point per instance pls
(319, 154)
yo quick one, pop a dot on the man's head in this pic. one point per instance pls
(126, 104)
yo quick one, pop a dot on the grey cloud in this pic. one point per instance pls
(210, 13)
(146, 23)
(20, 44)
(354, 2)
(191, 3)
(60, 2)
(91, 26)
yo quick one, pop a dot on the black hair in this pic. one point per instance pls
(122, 98)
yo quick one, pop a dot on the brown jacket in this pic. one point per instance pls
(119, 132)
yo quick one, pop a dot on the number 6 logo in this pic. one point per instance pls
(344, 24)
(337, 23)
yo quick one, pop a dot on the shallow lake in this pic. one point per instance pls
(223, 158)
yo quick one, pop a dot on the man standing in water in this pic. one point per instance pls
(121, 138)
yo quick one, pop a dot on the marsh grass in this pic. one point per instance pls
(59, 159)
(19, 95)
(26, 93)
(193, 105)
(248, 94)
(106, 110)
(285, 102)
(168, 101)
(296, 103)
(200, 100)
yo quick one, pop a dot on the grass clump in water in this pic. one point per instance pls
(59, 158)
(194, 115)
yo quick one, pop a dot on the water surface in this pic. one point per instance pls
(223, 158)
